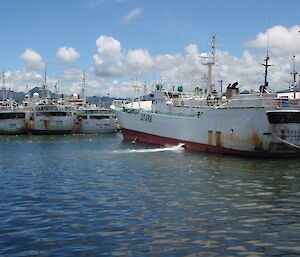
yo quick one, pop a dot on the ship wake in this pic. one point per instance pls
(175, 148)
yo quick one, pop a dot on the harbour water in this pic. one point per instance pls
(95, 195)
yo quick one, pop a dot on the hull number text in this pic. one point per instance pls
(146, 117)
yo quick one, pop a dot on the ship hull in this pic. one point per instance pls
(53, 125)
(140, 137)
(13, 127)
(244, 132)
(99, 126)
(13, 122)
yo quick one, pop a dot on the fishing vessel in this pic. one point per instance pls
(257, 125)
(13, 119)
(49, 117)
(96, 120)
(91, 118)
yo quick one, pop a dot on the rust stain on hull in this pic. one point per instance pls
(210, 137)
(30, 124)
(218, 138)
(46, 123)
(222, 140)
(256, 140)
(24, 124)
(229, 139)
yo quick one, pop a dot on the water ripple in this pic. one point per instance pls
(86, 196)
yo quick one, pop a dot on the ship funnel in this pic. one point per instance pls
(232, 90)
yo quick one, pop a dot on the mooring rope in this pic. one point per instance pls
(286, 142)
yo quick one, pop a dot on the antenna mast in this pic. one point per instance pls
(266, 65)
(137, 88)
(263, 88)
(294, 73)
(209, 64)
(3, 85)
(56, 91)
(45, 83)
(83, 85)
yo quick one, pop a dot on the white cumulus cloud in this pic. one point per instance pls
(67, 55)
(139, 59)
(109, 58)
(281, 40)
(32, 59)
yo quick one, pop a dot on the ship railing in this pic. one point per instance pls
(285, 103)
(120, 103)
(261, 102)
(253, 102)
(203, 102)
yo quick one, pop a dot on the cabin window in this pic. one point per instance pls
(47, 114)
(102, 117)
(58, 114)
(283, 117)
(16, 115)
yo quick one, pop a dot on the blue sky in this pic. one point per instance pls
(159, 27)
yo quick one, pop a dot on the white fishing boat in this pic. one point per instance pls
(258, 125)
(91, 118)
(96, 120)
(13, 119)
(49, 117)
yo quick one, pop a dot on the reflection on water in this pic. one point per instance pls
(96, 195)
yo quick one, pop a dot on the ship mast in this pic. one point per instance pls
(83, 86)
(3, 85)
(137, 88)
(263, 88)
(294, 73)
(56, 91)
(45, 84)
(209, 65)
(266, 70)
